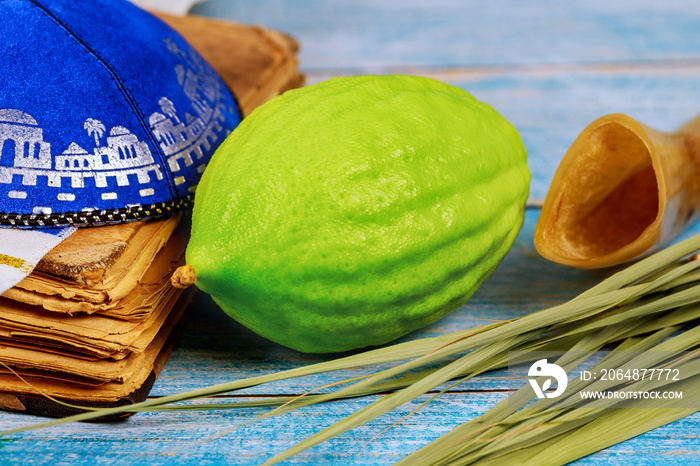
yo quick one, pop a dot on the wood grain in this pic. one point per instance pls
(551, 67)
(380, 36)
(214, 349)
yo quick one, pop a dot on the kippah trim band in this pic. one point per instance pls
(96, 217)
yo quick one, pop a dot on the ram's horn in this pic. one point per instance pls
(621, 191)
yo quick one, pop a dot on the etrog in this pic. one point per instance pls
(351, 212)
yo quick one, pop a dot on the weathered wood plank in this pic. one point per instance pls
(225, 437)
(551, 68)
(373, 36)
(215, 349)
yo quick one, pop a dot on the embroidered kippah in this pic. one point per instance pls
(106, 114)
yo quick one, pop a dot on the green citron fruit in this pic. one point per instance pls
(351, 212)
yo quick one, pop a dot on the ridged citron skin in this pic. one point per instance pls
(351, 212)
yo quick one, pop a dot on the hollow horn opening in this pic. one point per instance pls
(609, 198)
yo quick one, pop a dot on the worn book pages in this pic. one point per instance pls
(117, 281)
(101, 335)
(28, 393)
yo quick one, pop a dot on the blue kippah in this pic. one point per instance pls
(106, 114)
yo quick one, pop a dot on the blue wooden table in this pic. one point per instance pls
(550, 67)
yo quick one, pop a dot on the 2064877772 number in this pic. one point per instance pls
(632, 374)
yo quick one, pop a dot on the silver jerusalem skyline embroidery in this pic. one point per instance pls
(121, 153)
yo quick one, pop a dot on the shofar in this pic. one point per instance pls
(621, 191)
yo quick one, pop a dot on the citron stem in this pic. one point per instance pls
(183, 277)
